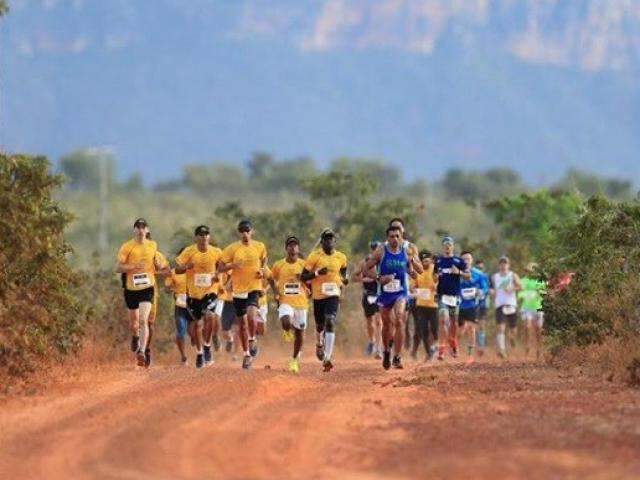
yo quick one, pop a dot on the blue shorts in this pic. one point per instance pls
(387, 300)
(182, 317)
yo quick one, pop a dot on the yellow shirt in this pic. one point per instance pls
(265, 285)
(328, 285)
(426, 288)
(292, 290)
(201, 278)
(133, 252)
(178, 283)
(250, 258)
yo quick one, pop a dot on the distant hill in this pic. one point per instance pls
(428, 84)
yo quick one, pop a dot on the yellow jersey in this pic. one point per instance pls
(426, 288)
(291, 289)
(250, 259)
(201, 279)
(328, 285)
(178, 283)
(133, 252)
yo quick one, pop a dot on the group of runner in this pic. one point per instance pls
(223, 292)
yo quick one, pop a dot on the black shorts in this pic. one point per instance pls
(467, 315)
(133, 298)
(228, 316)
(197, 306)
(241, 304)
(324, 308)
(370, 309)
(501, 318)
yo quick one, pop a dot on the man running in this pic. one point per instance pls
(176, 283)
(450, 270)
(393, 262)
(200, 263)
(292, 297)
(165, 271)
(263, 307)
(326, 268)
(483, 306)
(424, 288)
(470, 294)
(504, 286)
(370, 303)
(531, 309)
(137, 259)
(228, 314)
(246, 259)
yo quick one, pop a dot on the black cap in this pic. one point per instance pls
(140, 222)
(327, 233)
(291, 239)
(424, 254)
(202, 230)
(244, 224)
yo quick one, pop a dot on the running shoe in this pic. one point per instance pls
(378, 354)
(253, 347)
(454, 352)
(215, 340)
(327, 365)
(228, 346)
(184, 362)
(199, 360)
(294, 365)
(502, 354)
(207, 354)
(320, 352)
(246, 361)
(147, 358)
(370, 349)
(140, 358)
(287, 336)
(432, 352)
(441, 356)
(397, 362)
(386, 360)
(135, 344)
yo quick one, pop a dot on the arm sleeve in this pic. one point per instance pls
(184, 257)
(123, 254)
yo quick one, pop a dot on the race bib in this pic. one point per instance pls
(508, 309)
(202, 280)
(330, 289)
(241, 296)
(371, 299)
(393, 286)
(449, 300)
(141, 280)
(292, 289)
(423, 294)
(181, 300)
(468, 293)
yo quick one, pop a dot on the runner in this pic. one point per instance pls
(228, 314)
(393, 263)
(483, 307)
(326, 268)
(263, 307)
(450, 270)
(200, 263)
(504, 286)
(164, 271)
(470, 294)
(246, 259)
(176, 283)
(531, 309)
(137, 259)
(424, 288)
(292, 297)
(370, 303)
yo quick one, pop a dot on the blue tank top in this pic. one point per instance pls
(396, 264)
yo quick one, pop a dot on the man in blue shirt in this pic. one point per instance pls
(483, 306)
(470, 294)
(450, 270)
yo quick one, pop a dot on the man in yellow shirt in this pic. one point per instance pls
(246, 259)
(263, 308)
(176, 283)
(228, 313)
(326, 268)
(164, 271)
(292, 297)
(200, 262)
(424, 288)
(137, 259)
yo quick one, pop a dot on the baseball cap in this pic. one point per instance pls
(244, 224)
(202, 230)
(140, 222)
(326, 233)
(291, 239)
(447, 240)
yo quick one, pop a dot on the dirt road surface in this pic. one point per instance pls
(488, 420)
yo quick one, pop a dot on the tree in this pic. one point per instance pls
(4, 8)
(588, 185)
(83, 168)
(475, 187)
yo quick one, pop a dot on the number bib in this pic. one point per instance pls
(291, 289)
(141, 280)
(181, 300)
(449, 300)
(508, 309)
(393, 286)
(468, 293)
(330, 289)
(202, 280)
(423, 294)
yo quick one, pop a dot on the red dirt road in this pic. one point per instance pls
(489, 420)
